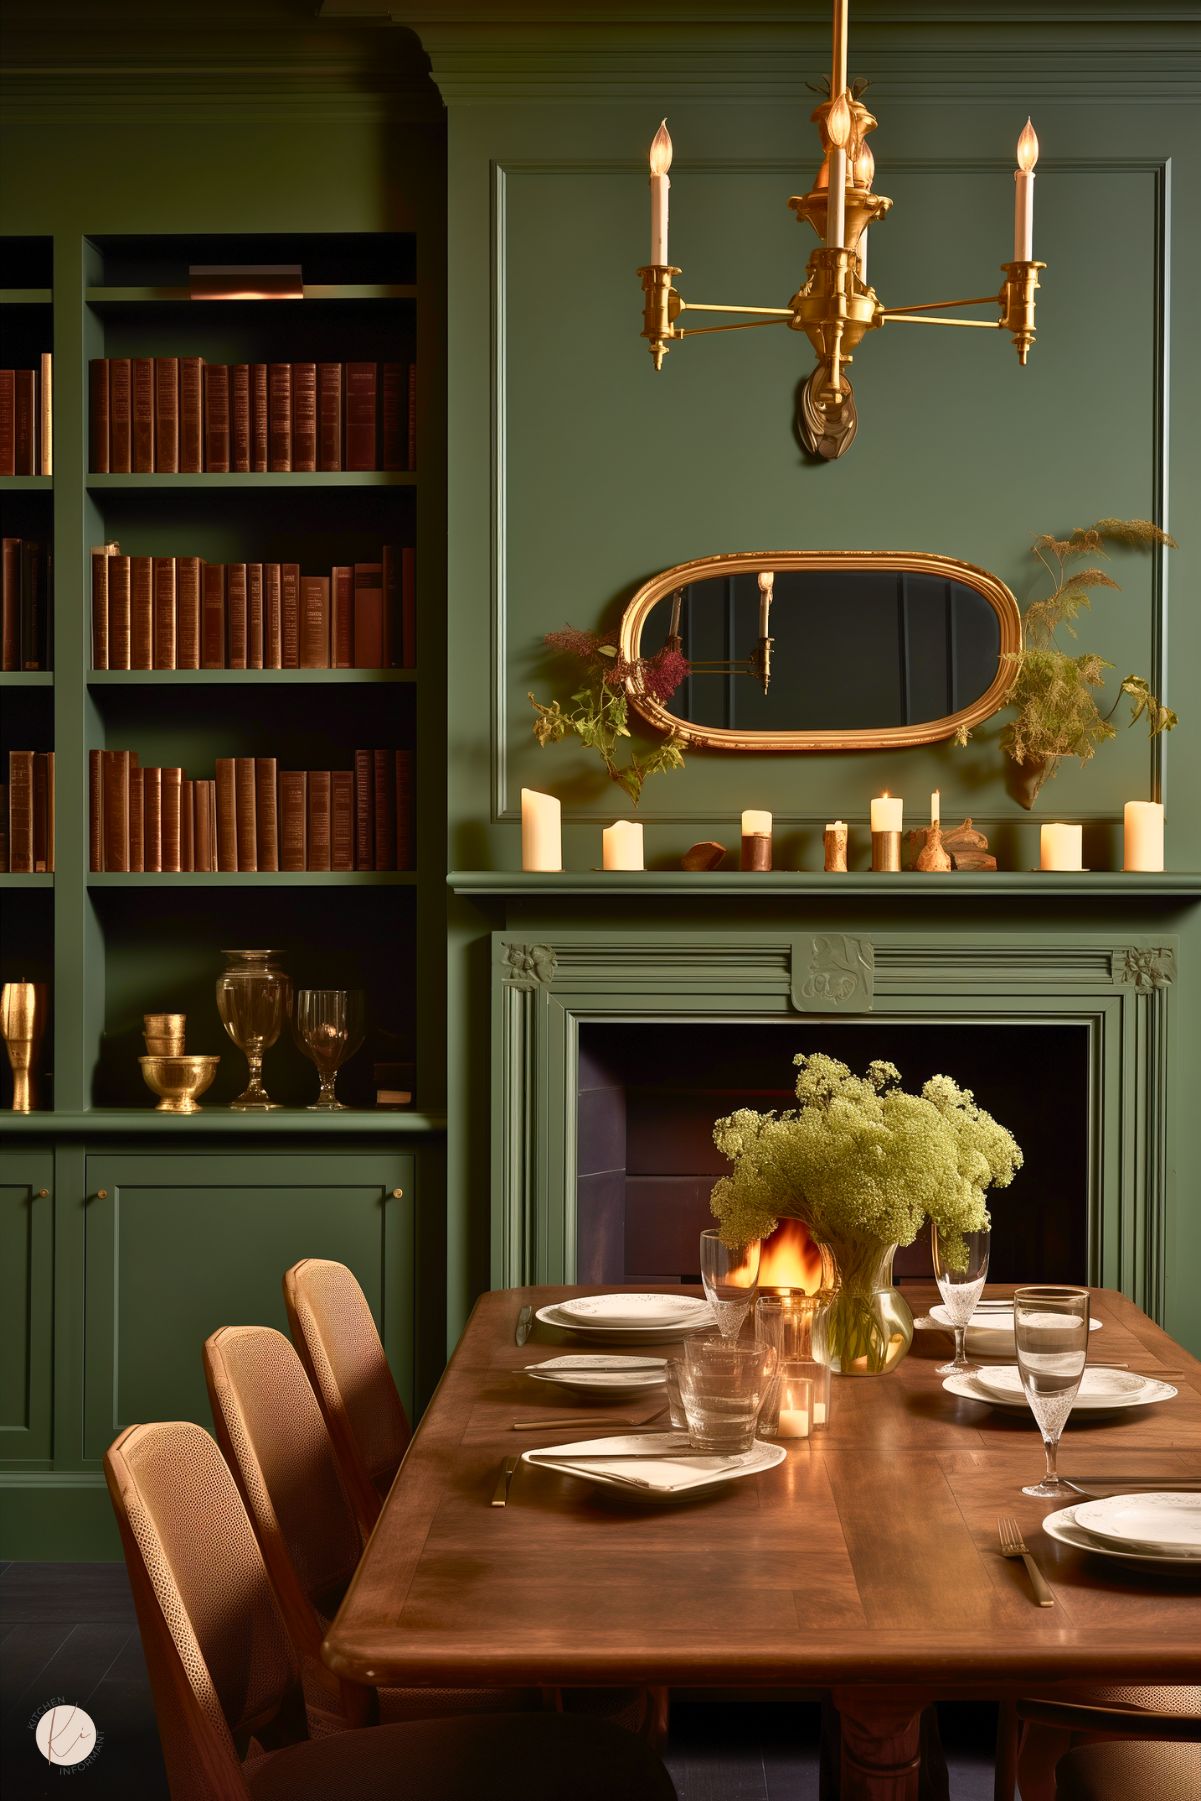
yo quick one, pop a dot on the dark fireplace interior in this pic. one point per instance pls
(650, 1091)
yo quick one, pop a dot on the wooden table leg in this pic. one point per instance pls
(881, 1743)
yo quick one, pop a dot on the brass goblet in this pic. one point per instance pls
(23, 1008)
(178, 1080)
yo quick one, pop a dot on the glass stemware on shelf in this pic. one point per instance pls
(730, 1276)
(1050, 1326)
(960, 1288)
(253, 995)
(328, 1027)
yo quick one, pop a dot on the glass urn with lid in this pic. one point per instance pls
(254, 996)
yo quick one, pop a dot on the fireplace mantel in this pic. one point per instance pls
(968, 886)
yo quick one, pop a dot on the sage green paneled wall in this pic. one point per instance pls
(575, 472)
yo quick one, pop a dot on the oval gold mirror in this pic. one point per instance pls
(825, 649)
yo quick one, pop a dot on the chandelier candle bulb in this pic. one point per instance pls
(660, 159)
(1060, 847)
(622, 845)
(1023, 197)
(541, 831)
(1143, 834)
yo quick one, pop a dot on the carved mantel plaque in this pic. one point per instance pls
(833, 974)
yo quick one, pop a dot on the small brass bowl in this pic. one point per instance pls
(178, 1080)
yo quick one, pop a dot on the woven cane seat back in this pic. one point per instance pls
(335, 1335)
(1122, 1771)
(1151, 1700)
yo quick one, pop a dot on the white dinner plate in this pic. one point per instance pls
(598, 1374)
(1095, 1395)
(629, 1310)
(1064, 1526)
(625, 1334)
(990, 1330)
(666, 1479)
(1160, 1524)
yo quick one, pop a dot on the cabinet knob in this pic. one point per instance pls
(102, 1194)
(398, 1194)
(41, 1194)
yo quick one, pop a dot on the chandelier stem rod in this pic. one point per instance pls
(702, 331)
(932, 306)
(926, 319)
(696, 306)
(838, 68)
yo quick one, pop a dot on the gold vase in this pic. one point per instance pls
(23, 1009)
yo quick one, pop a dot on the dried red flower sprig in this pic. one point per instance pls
(598, 716)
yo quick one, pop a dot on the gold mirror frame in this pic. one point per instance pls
(918, 562)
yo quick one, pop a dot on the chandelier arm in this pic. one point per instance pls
(703, 331)
(928, 319)
(931, 306)
(698, 306)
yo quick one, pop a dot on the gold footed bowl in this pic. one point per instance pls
(178, 1080)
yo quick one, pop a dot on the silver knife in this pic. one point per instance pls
(500, 1494)
(1099, 1487)
(524, 1319)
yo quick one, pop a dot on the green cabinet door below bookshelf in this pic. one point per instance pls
(26, 1303)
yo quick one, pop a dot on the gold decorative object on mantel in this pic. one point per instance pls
(962, 845)
(834, 840)
(835, 307)
(708, 854)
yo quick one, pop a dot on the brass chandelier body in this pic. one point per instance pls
(835, 306)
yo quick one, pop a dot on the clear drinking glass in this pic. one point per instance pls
(1050, 1326)
(731, 1280)
(960, 1290)
(674, 1375)
(723, 1385)
(252, 998)
(328, 1026)
(788, 1323)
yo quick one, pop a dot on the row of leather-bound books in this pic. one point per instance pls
(186, 613)
(180, 415)
(27, 419)
(251, 816)
(27, 813)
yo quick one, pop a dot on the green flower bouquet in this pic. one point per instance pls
(863, 1164)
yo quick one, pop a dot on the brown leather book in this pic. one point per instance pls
(120, 416)
(118, 612)
(141, 612)
(293, 813)
(240, 429)
(137, 815)
(41, 813)
(341, 622)
(248, 855)
(8, 421)
(204, 848)
(364, 810)
(187, 612)
(166, 414)
(10, 605)
(411, 405)
(187, 853)
(164, 612)
(394, 423)
(20, 812)
(235, 614)
(390, 582)
(259, 412)
(279, 416)
(36, 566)
(25, 413)
(191, 415)
(115, 770)
(360, 437)
(97, 418)
(152, 820)
(95, 811)
(319, 819)
(216, 418)
(314, 622)
(100, 556)
(254, 615)
(266, 826)
(227, 815)
(273, 616)
(408, 607)
(405, 843)
(368, 616)
(212, 617)
(46, 423)
(4, 869)
(304, 415)
(142, 383)
(172, 821)
(290, 615)
(341, 819)
(48, 758)
(384, 764)
(329, 415)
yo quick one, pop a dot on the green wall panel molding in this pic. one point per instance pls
(26, 1303)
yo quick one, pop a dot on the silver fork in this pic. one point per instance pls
(1014, 1545)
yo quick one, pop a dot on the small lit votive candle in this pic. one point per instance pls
(1060, 847)
(622, 845)
(1143, 834)
(541, 831)
(796, 1403)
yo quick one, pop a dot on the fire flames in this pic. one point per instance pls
(789, 1259)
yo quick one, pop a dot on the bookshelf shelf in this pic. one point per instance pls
(234, 678)
(214, 1120)
(18, 882)
(297, 478)
(23, 484)
(316, 291)
(27, 678)
(267, 878)
(25, 297)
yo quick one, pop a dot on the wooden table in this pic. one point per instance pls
(866, 1564)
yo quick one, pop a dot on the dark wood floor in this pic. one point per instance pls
(68, 1630)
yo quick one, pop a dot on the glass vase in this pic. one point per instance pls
(867, 1326)
(253, 996)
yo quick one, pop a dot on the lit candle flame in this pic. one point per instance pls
(661, 150)
(838, 122)
(1027, 148)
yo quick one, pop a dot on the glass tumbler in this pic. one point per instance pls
(253, 994)
(791, 1324)
(723, 1388)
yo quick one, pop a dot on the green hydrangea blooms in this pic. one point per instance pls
(861, 1159)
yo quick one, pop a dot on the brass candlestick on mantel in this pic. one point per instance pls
(835, 841)
(23, 1010)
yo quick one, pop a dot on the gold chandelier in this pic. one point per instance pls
(835, 307)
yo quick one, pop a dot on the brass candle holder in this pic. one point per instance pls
(23, 1010)
(756, 851)
(835, 842)
(886, 852)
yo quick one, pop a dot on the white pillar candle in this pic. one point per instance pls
(887, 814)
(660, 160)
(794, 1422)
(622, 845)
(1143, 821)
(1060, 847)
(1023, 196)
(756, 823)
(936, 807)
(541, 831)
(767, 582)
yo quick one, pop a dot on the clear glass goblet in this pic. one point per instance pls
(1050, 1326)
(328, 1028)
(253, 995)
(730, 1275)
(960, 1288)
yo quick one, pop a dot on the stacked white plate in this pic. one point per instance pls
(669, 1476)
(595, 1374)
(626, 1316)
(1155, 1530)
(1101, 1390)
(990, 1329)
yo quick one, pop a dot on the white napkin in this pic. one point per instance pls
(666, 1475)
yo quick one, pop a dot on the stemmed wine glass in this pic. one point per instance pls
(252, 998)
(328, 1027)
(1051, 1330)
(960, 1288)
(730, 1275)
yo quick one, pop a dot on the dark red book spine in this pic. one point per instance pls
(341, 601)
(118, 612)
(191, 414)
(26, 412)
(390, 583)
(137, 816)
(273, 616)
(394, 425)
(279, 416)
(291, 615)
(120, 416)
(318, 819)
(259, 412)
(364, 810)
(368, 616)
(361, 424)
(248, 855)
(164, 613)
(314, 622)
(212, 618)
(187, 847)
(187, 612)
(141, 612)
(341, 819)
(266, 786)
(152, 819)
(385, 808)
(240, 427)
(115, 767)
(100, 556)
(227, 815)
(254, 615)
(142, 380)
(304, 415)
(293, 820)
(95, 811)
(329, 415)
(8, 420)
(216, 418)
(166, 414)
(172, 821)
(235, 613)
